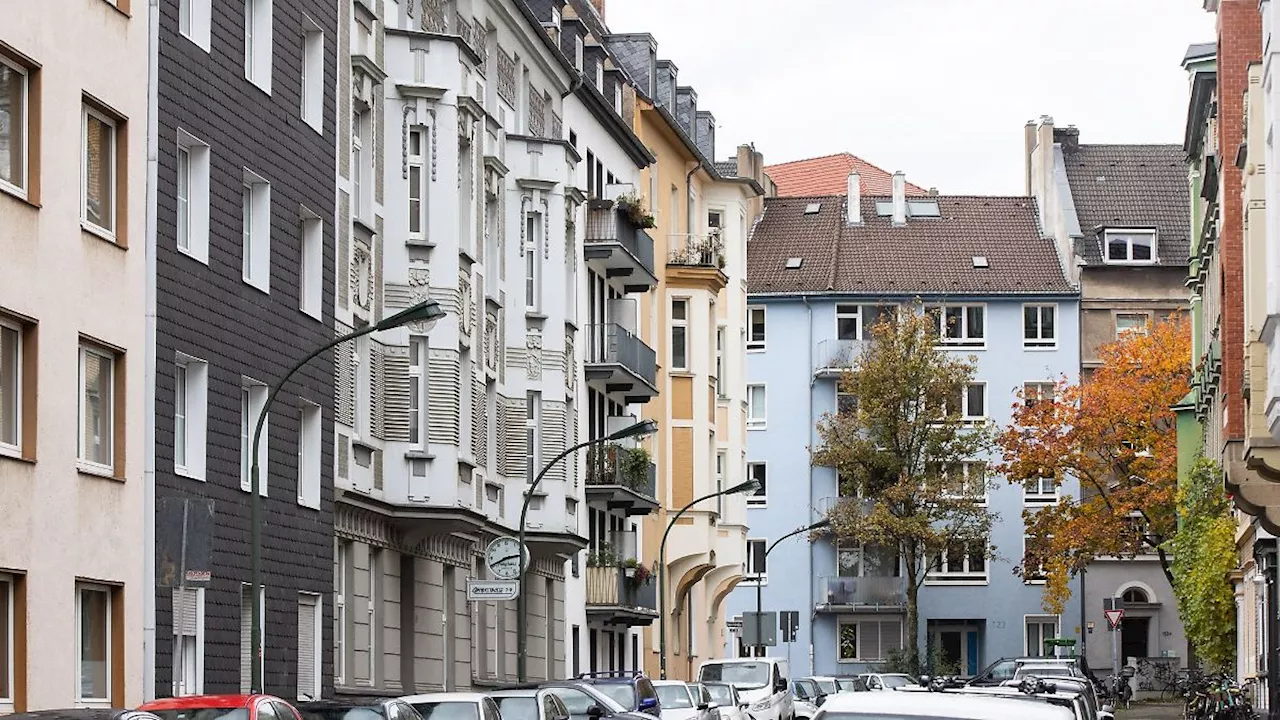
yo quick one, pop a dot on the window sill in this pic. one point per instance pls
(317, 316)
(419, 242)
(945, 581)
(309, 504)
(418, 455)
(760, 505)
(188, 473)
(9, 453)
(17, 193)
(202, 260)
(1039, 348)
(97, 471)
(101, 233)
(751, 427)
(755, 350)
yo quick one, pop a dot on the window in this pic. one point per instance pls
(418, 392)
(342, 564)
(868, 640)
(758, 471)
(191, 195)
(755, 407)
(308, 646)
(854, 560)
(1131, 324)
(969, 403)
(967, 480)
(1039, 326)
(721, 380)
(961, 325)
(95, 633)
(15, 115)
(190, 416)
(848, 322)
(313, 76)
(309, 458)
(1040, 491)
(757, 567)
(532, 418)
(1032, 563)
(1038, 629)
(253, 400)
(257, 43)
(11, 387)
(1038, 392)
(1135, 595)
(1131, 247)
(722, 460)
(311, 267)
(533, 245)
(195, 19)
(255, 230)
(246, 634)
(418, 186)
(98, 169)
(679, 334)
(962, 561)
(97, 409)
(577, 51)
(755, 328)
(846, 402)
(188, 641)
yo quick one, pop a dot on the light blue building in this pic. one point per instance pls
(819, 270)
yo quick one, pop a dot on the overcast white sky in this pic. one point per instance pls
(939, 89)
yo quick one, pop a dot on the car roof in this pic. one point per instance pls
(516, 692)
(345, 702)
(193, 702)
(445, 697)
(947, 705)
(80, 714)
(659, 683)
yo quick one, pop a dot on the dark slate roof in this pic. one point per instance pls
(1131, 186)
(929, 256)
(727, 168)
(1199, 51)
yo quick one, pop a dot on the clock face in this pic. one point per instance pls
(503, 557)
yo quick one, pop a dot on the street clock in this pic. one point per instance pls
(505, 558)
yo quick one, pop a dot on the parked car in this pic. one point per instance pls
(725, 699)
(529, 704)
(887, 681)
(682, 701)
(765, 683)
(851, 684)
(453, 706)
(827, 684)
(631, 690)
(222, 707)
(1005, 668)
(803, 701)
(358, 708)
(83, 714)
(587, 701)
(917, 702)
(808, 691)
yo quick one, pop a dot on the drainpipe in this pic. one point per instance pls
(809, 414)
(1084, 627)
(1264, 554)
(149, 366)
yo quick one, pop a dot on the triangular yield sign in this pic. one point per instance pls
(1114, 617)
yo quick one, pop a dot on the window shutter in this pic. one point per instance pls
(479, 420)
(443, 401)
(246, 633)
(186, 612)
(346, 381)
(307, 648)
(396, 395)
(378, 391)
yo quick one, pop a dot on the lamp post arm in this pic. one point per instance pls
(759, 586)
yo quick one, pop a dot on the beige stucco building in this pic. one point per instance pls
(73, 122)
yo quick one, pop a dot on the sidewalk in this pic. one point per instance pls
(1151, 711)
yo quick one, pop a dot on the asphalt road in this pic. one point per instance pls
(1151, 711)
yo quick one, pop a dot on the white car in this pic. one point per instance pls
(725, 700)
(681, 701)
(764, 683)
(936, 706)
(453, 706)
(887, 681)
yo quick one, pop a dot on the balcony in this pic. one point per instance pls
(616, 243)
(835, 357)
(622, 595)
(619, 363)
(861, 594)
(622, 478)
(697, 251)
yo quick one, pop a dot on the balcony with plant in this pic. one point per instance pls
(620, 589)
(622, 477)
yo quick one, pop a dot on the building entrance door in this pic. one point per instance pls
(957, 646)
(1135, 632)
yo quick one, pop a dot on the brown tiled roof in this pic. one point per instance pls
(929, 256)
(1131, 186)
(829, 175)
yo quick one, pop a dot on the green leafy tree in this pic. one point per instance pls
(1204, 552)
(898, 453)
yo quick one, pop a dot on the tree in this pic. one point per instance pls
(1115, 433)
(1204, 551)
(898, 454)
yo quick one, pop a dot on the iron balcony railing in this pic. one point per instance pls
(834, 357)
(614, 464)
(697, 250)
(613, 344)
(610, 223)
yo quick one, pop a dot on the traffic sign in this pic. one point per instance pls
(492, 589)
(1114, 617)
(759, 629)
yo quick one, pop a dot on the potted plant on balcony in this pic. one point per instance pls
(634, 467)
(632, 204)
(637, 573)
(603, 556)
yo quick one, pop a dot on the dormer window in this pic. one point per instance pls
(600, 75)
(1130, 247)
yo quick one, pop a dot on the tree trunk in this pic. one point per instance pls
(913, 625)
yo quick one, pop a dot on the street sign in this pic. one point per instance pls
(1114, 617)
(789, 624)
(492, 589)
(760, 629)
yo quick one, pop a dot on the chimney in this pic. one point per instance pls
(705, 134)
(853, 211)
(686, 109)
(1068, 137)
(1029, 146)
(666, 89)
(899, 198)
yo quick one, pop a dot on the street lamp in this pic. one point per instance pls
(640, 429)
(824, 522)
(749, 486)
(426, 312)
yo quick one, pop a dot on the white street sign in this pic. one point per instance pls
(492, 589)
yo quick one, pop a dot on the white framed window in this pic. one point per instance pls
(1040, 326)
(342, 565)
(191, 191)
(11, 377)
(255, 231)
(757, 564)
(195, 19)
(617, 98)
(722, 462)
(358, 176)
(1032, 574)
(97, 409)
(1130, 247)
(246, 634)
(721, 380)
(309, 458)
(312, 80)
(253, 401)
(961, 562)
(969, 403)
(188, 641)
(1132, 324)
(600, 76)
(257, 43)
(309, 607)
(1038, 391)
(1040, 491)
(755, 328)
(858, 560)
(577, 51)
(966, 480)
(846, 402)
(755, 407)
(1037, 629)
(961, 325)
(532, 268)
(8, 650)
(848, 322)
(532, 419)
(98, 169)
(311, 266)
(93, 644)
(190, 416)
(14, 133)
(679, 334)
(418, 186)
(867, 640)
(418, 352)
(759, 472)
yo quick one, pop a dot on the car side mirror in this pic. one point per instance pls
(780, 685)
(648, 703)
(595, 711)
(704, 706)
(744, 705)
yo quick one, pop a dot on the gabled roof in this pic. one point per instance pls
(929, 256)
(1135, 186)
(829, 175)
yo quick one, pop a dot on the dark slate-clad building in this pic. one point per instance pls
(245, 278)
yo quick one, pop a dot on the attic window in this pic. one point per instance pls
(812, 208)
(1130, 247)
(980, 261)
(884, 209)
(923, 208)
(794, 263)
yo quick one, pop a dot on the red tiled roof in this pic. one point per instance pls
(829, 175)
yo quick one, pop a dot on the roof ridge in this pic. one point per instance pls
(844, 153)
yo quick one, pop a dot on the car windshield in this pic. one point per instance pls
(746, 675)
(1044, 671)
(673, 697)
(447, 710)
(896, 681)
(579, 702)
(721, 694)
(624, 695)
(852, 684)
(343, 713)
(828, 687)
(203, 714)
(518, 708)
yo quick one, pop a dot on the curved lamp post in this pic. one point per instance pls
(428, 312)
(749, 486)
(640, 429)
(824, 522)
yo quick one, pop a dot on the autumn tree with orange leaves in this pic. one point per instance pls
(1115, 433)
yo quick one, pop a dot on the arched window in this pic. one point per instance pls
(1135, 595)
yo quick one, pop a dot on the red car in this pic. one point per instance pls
(222, 707)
